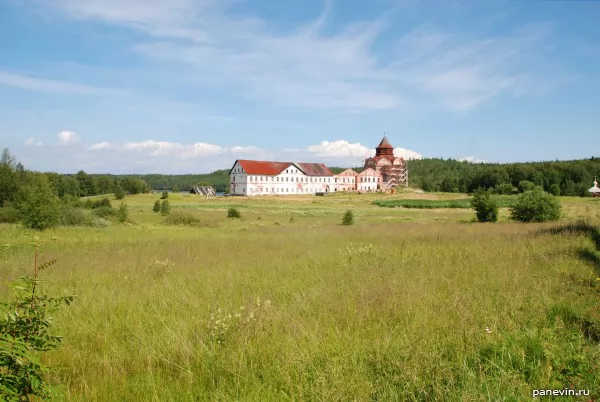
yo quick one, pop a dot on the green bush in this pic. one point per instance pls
(182, 218)
(505, 189)
(233, 213)
(535, 206)
(485, 205)
(38, 205)
(165, 195)
(9, 214)
(99, 223)
(119, 192)
(554, 189)
(123, 213)
(526, 185)
(104, 212)
(156, 207)
(105, 202)
(70, 216)
(24, 334)
(165, 208)
(348, 218)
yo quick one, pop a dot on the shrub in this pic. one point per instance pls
(535, 206)
(39, 206)
(165, 208)
(165, 195)
(99, 223)
(504, 188)
(526, 185)
(485, 205)
(74, 217)
(182, 218)
(9, 214)
(348, 218)
(233, 213)
(122, 213)
(119, 192)
(24, 334)
(104, 212)
(71, 200)
(554, 189)
(105, 202)
(156, 207)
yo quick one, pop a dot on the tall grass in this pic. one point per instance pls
(315, 310)
(503, 202)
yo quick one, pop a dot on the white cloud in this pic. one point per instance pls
(308, 68)
(66, 138)
(344, 149)
(100, 146)
(471, 159)
(407, 153)
(175, 149)
(155, 156)
(340, 148)
(50, 86)
(33, 143)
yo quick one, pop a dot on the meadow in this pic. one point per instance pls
(285, 303)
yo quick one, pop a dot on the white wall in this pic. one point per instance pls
(291, 181)
(368, 183)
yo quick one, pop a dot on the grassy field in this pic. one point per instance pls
(287, 304)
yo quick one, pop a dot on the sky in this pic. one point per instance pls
(189, 86)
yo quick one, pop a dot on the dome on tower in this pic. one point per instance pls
(385, 143)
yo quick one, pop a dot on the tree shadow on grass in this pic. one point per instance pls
(593, 232)
(589, 327)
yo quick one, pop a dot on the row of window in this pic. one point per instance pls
(279, 190)
(367, 179)
(287, 179)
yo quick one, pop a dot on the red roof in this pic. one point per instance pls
(269, 168)
(263, 167)
(314, 169)
(385, 143)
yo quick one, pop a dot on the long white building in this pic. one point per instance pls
(250, 178)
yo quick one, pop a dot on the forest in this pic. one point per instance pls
(569, 178)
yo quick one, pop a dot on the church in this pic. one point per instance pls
(392, 169)
(382, 172)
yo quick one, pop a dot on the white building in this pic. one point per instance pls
(251, 178)
(368, 180)
(345, 181)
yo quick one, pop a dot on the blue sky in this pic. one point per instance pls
(183, 86)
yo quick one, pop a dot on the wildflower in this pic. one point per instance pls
(488, 330)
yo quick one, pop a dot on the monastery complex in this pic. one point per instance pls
(383, 172)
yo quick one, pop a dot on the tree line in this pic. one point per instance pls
(570, 178)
